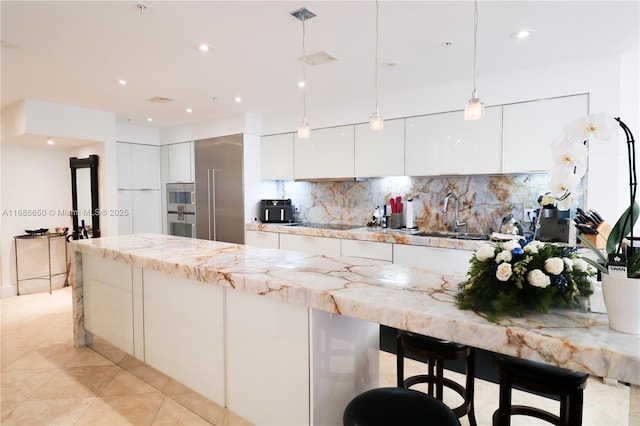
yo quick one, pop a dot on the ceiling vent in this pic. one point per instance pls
(160, 100)
(319, 58)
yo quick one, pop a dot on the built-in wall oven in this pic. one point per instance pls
(181, 207)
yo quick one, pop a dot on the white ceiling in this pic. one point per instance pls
(72, 52)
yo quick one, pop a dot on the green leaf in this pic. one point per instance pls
(633, 265)
(593, 248)
(622, 228)
(596, 265)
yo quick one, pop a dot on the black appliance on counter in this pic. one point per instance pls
(276, 211)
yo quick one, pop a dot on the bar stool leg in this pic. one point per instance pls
(400, 361)
(503, 416)
(469, 387)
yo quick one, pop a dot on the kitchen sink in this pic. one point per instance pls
(456, 235)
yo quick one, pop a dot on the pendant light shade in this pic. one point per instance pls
(304, 132)
(474, 110)
(375, 121)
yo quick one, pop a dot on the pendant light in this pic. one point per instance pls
(304, 132)
(474, 110)
(375, 122)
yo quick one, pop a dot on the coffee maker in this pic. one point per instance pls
(556, 226)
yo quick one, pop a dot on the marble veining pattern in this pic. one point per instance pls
(408, 298)
(484, 199)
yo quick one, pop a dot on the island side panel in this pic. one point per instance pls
(184, 332)
(80, 335)
(267, 359)
(345, 362)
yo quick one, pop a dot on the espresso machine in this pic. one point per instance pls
(555, 226)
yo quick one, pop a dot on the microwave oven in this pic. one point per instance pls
(181, 198)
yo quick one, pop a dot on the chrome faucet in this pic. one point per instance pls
(458, 223)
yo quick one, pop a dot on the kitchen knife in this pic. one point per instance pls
(597, 215)
(586, 229)
(593, 218)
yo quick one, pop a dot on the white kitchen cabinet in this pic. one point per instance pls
(262, 239)
(379, 153)
(108, 301)
(180, 162)
(531, 127)
(276, 157)
(368, 249)
(143, 208)
(434, 258)
(447, 144)
(327, 154)
(267, 359)
(138, 166)
(310, 244)
(183, 332)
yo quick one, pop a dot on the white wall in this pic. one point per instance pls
(36, 192)
(38, 177)
(137, 134)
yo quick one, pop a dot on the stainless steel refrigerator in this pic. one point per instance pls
(219, 193)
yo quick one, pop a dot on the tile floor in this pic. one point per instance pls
(46, 381)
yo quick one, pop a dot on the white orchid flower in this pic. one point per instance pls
(572, 154)
(599, 126)
(562, 182)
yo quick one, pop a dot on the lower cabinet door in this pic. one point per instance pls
(434, 258)
(267, 359)
(262, 239)
(310, 244)
(108, 301)
(183, 332)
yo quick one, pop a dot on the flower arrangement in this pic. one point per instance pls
(570, 154)
(506, 278)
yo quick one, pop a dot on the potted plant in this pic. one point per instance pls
(620, 268)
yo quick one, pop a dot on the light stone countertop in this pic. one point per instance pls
(364, 233)
(408, 298)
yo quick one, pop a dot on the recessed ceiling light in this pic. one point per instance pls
(50, 141)
(203, 47)
(301, 84)
(149, 119)
(189, 110)
(522, 34)
(237, 99)
(122, 82)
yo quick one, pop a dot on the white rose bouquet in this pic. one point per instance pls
(508, 278)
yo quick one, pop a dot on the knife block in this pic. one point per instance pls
(600, 239)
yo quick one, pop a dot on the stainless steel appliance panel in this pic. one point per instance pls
(182, 224)
(218, 187)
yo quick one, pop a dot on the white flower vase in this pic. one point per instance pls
(622, 299)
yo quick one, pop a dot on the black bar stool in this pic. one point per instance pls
(546, 379)
(397, 406)
(437, 351)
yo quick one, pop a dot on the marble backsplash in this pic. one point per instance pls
(483, 199)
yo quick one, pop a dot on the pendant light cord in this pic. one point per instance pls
(475, 45)
(376, 56)
(304, 75)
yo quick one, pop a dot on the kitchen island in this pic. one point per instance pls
(241, 283)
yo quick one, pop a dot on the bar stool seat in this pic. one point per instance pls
(397, 406)
(541, 378)
(437, 351)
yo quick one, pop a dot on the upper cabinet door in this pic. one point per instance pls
(276, 157)
(531, 127)
(145, 166)
(379, 153)
(138, 166)
(180, 162)
(123, 154)
(447, 144)
(327, 154)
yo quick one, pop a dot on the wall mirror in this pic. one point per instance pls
(84, 197)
